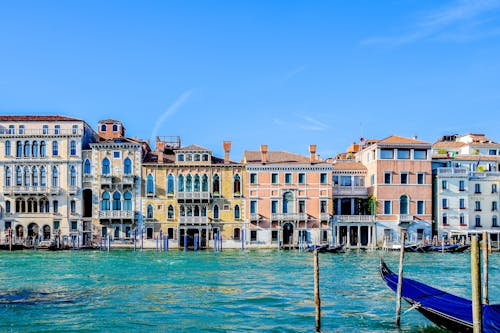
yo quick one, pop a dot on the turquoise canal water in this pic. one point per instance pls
(264, 291)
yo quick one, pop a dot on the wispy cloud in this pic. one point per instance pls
(302, 122)
(170, 111)
(294, 72)
(463, 21)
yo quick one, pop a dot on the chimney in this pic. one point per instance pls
(160, 145)
(263, 154)
(227, 150)
(312, 151)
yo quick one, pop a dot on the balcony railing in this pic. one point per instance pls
(106, 179)
(193, 219)
(254, 217)
(289, 217)
(73, 189)
(116, 214)
(354, 218)
(40, 132)
(484, 174)
(128, 179)
(452, 171)
(193, 195)
(405, 218)
(350, 190)
(324, 216)
(25, 189)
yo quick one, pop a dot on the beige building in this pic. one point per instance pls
(189, 192)
(112, 183)
(41, 173)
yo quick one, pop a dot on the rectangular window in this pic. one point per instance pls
(12, 129)
(420, 178)
(478, 206)
(288, 178)
(74, 225)
(253, 178)
(322, 206)
(494, 206)
(57, 129)
(335, 180)
(492, 152)
(420, 154)
(386, 154)
(387, 177)
(116, 154)
(57, 225)
(404, 178)
(444, 184)
(302, 178)
(420, 207)
(372, 180)
(323, 178)
(403, 154)
(274, 206)
(461, 185)
(274, 235)
(387, 207)
(477, 188)
(75, 129)
(21, 129)
(55, 206)
(73, 206)
(462, 203)
(253, 235)
(462, 219)
(104, 231)
(302, 206)
(274, 178)
(45, 129)
(445, 203)
(345, 181)
(494, 188)
(55, 148)
(253, 207)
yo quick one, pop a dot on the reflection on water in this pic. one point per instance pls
(230, 291)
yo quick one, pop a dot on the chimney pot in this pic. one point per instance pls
(227, 149)
(263, 154)
(312, 151)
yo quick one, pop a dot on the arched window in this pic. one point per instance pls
(43, 176)
(180, 184)
(170, 212)
(204, 183)
(105, 201)
(196, 157)
(180, 157)
(19, 176)
(494, 221)
(196, 210)
(72, 176)
(117, 204)
(403, 204)
(72, 148)
(44, 205)
(7, 206)
(7, 148)
(189, 210)
(204, 211)
(236, 185)
(57, 129)
(216, 212)
(204, 158)
(115, 128)
(127, 201)
(189, 183)
(34, 176)
(43, 149)
(127, 166)
(478, 221)
(103, 128)
(105, 166)
(20, 205)
(55, 177)
(34, 149)
(216, 185)
(196, 183)
(236, 212)
(150, 212)
(55, 148)
(30, 204)
(8, 176)
(19, 149)
(27, 149)
(170, 184)
(462, 219)
(26, 176)
(182, 211)
(86, 167)
(150, 188)
(287, 202)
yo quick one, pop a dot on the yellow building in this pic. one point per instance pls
(41, 172)
(188, 191)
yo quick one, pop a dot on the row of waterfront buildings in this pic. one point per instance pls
(61, 178)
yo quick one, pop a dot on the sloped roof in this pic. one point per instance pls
(467, 157)
(37, 118)
(254, 156)
(348, 165)
(445, 144)
(194, 148)
(394, 139)
(109, 120)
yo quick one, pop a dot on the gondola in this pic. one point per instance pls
(443, 309)
(449, 248)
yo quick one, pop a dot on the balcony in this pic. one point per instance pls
(338, 190)
(87, 177)
(195, 196)
(324, 217)
(73, 190)
(13, 190)
(193, 220)
(289, 217)
(405, 218)
(116, 214)
(106, 179)
(447, 172)
(484, 174)
(40, 132)
(128, 179)
(354, 218)
(55, 190)
(254, 217)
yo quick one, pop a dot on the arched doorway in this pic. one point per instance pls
(287, 233)
(46, 232)
(33, 230)
(19, 231)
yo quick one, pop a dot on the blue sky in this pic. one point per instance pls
(284, 73)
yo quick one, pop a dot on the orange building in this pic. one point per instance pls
(289, 198)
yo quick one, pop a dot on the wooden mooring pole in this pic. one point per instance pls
(476, 286)
(485, 267)
(317, 300)
(400, 278)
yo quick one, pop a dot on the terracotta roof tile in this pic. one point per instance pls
(348, 165)
(401, 140)
(444, 144)
(37, 118)
(467, 157)
(254, 156)
(194, 147)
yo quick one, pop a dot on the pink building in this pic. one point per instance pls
(289, 197)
